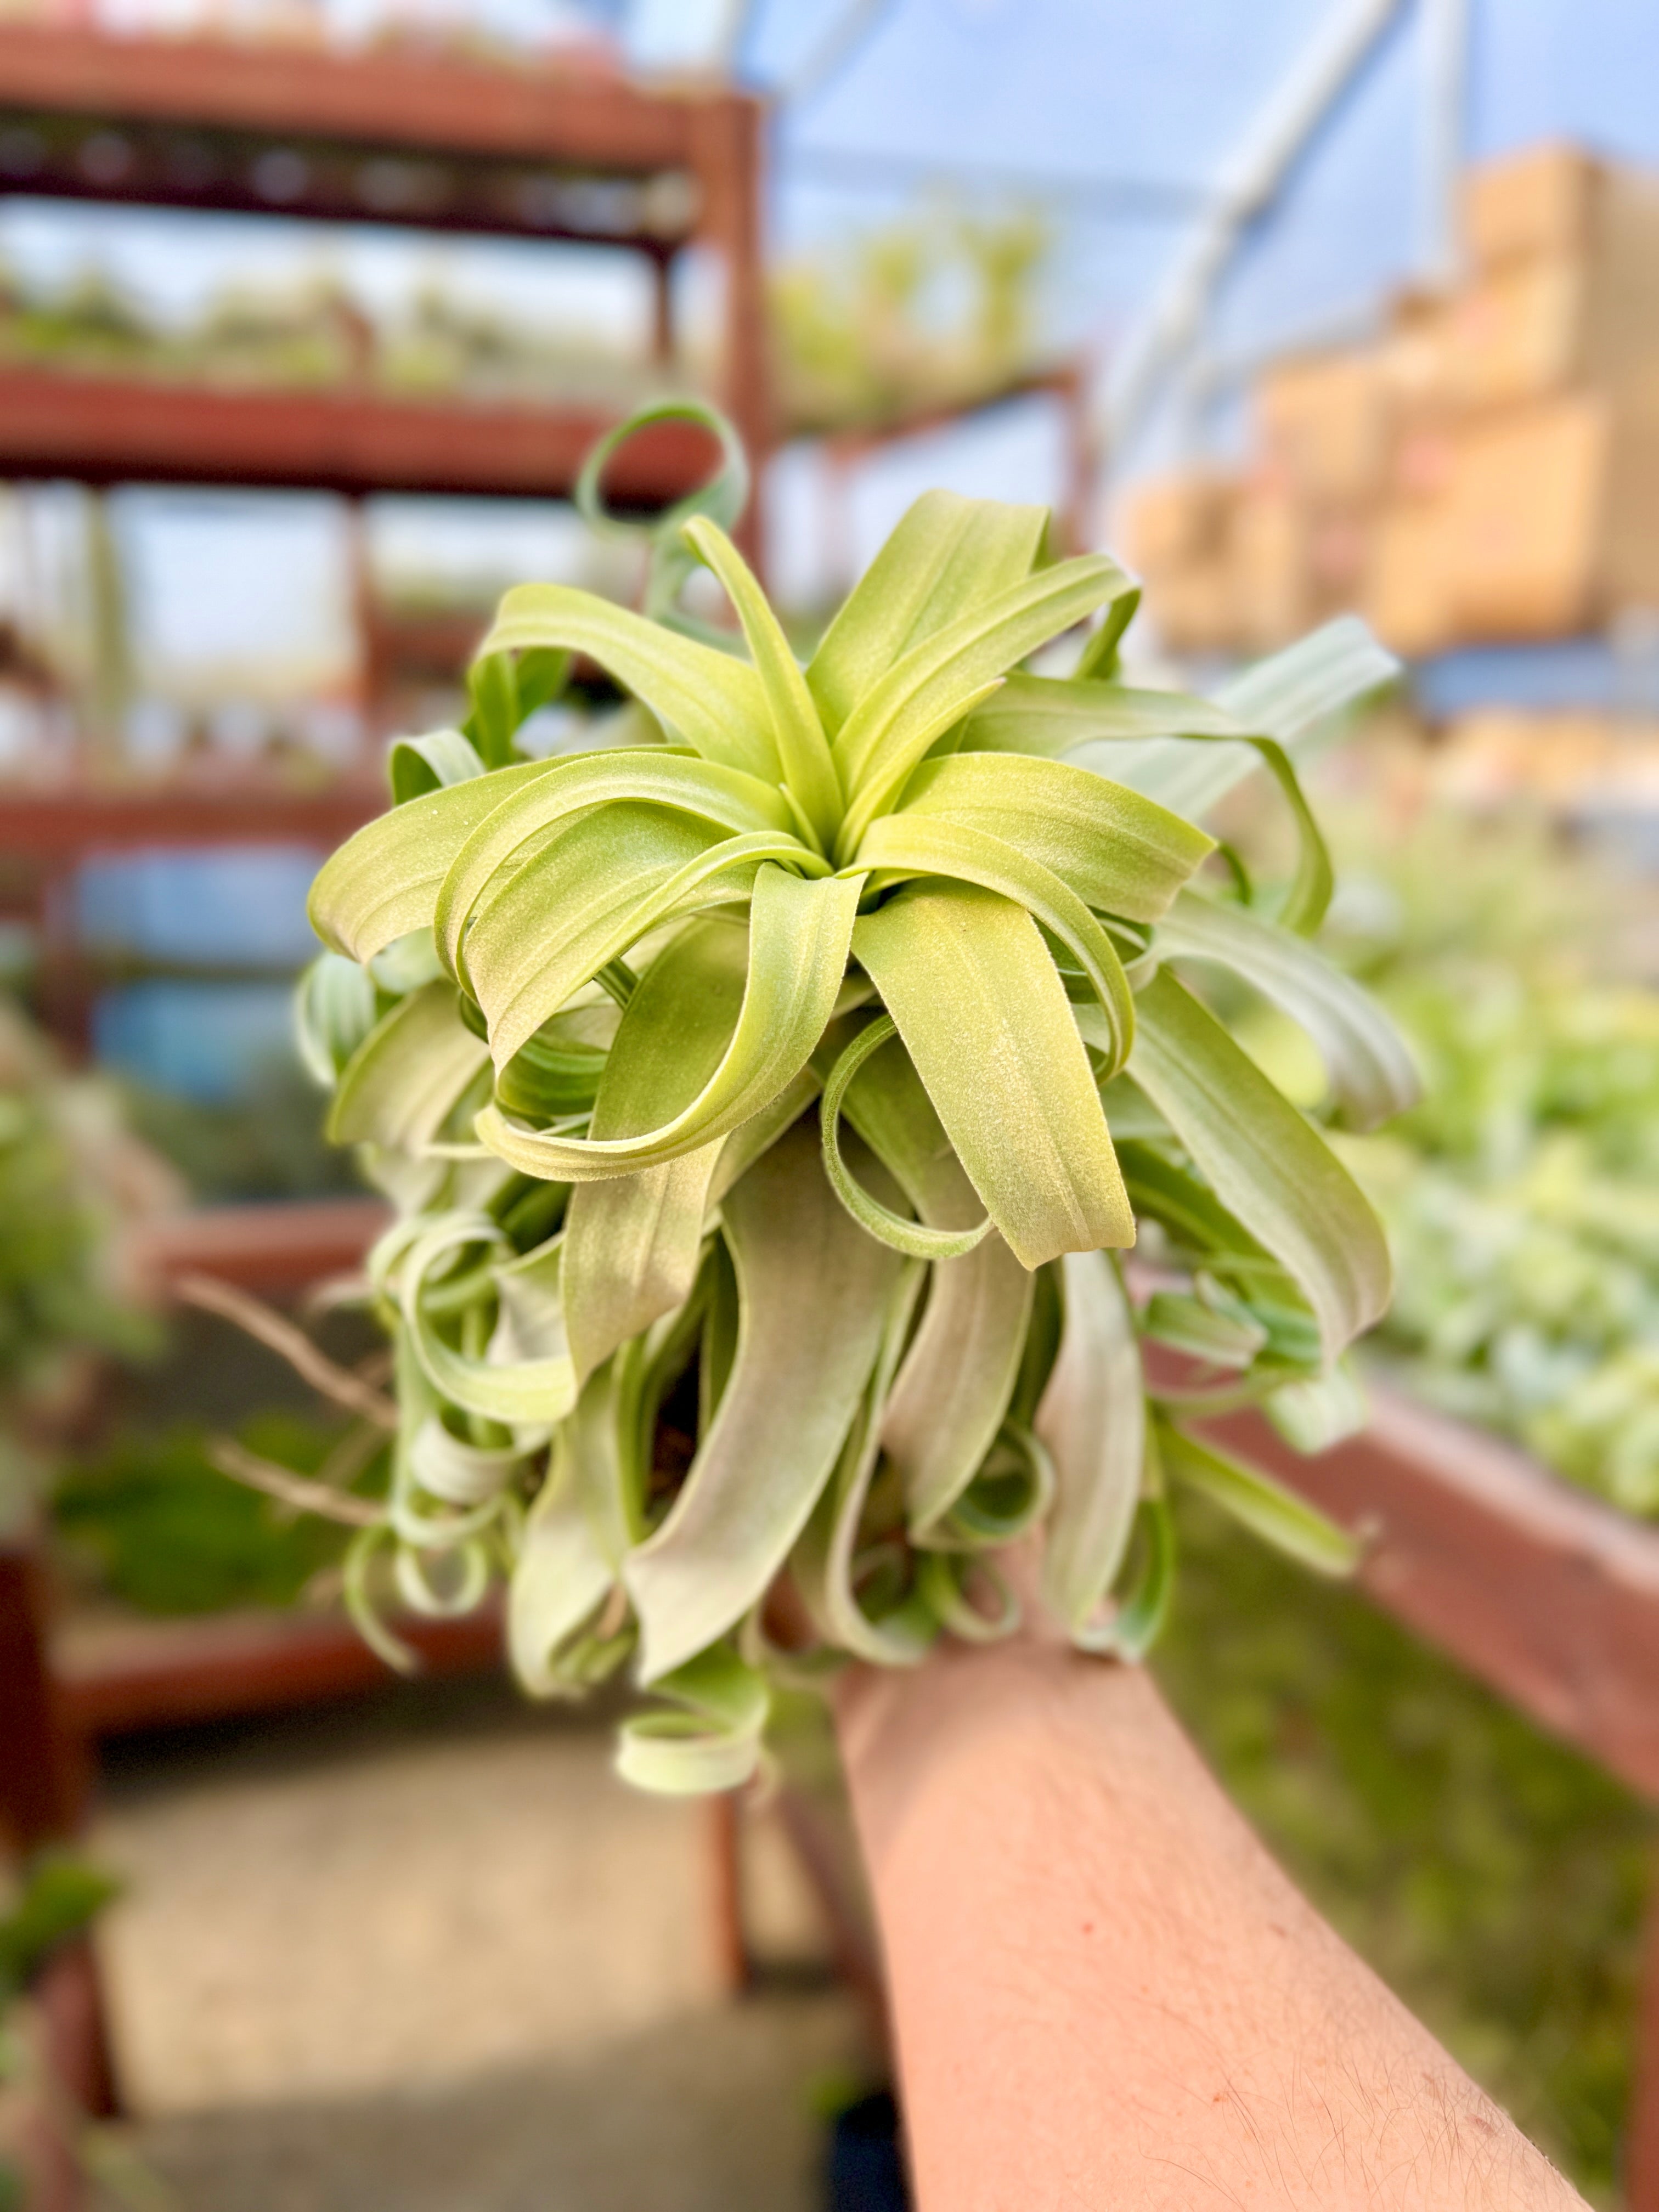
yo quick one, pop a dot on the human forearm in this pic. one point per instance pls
(1105, 1992)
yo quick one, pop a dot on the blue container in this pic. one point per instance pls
(226, 906)
(865, 2171)
(210, 1041)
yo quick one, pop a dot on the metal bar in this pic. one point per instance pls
(53, 821)
(441, 103)
(722, 1819)
(1248, 185)
(1543, 1592)
(43, 1769)
(1120, 199)
(149, 165)
(114, 1680)
(69, 1993)
(728, 163)
(111, 429)
(1445, 36)
(277, 1250)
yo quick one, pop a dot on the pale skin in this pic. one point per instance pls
(1106, 1996)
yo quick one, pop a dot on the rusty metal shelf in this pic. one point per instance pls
(133, 430)
(571, 109)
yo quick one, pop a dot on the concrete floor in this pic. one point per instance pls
(431, 1956)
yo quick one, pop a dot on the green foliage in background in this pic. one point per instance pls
(70, 1174)
(58, 1897)
(57, 1209)
(55, 1897)
(265, 1144)
(935, 311)
(153, 1522)
(1521, 1194)
(1494, 1879)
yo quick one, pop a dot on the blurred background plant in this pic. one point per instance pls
(1521, 1195)
(938, 311)
(71, 1178)
(50, 1902)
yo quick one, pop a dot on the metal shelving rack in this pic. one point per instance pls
(550, 151)
(553, 150)
(558, 150)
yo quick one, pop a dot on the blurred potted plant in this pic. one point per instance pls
(769, 1084)
(71, 1175)
(48, 2147)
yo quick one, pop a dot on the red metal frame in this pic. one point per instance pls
(438, 102)
(1541, 1591)
(565, 113)
(130, 429)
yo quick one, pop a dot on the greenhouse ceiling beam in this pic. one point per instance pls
(1445, 99)
(1156, 347)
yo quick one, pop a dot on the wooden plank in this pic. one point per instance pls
(279, 1249)
(315, 178)
(56, 821)
(69, 1990)
(129, 430)
(1542, 1591)
(114, 1678)
(566, 108)
(43, 1774)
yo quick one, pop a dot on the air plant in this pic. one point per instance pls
(769, 1084)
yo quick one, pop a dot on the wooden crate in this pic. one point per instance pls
(1523, 519)
(1407, 598)
(1551, 515)
(1171, 523)
(1196, 607)
(1411, 363)
(1323, 425)
(1529, 522)
(1520, 333)
(1270, 562)
(1565, 291)
(1535, 203)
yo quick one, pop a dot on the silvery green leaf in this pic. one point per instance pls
(417, 765)
(1264, 1163)
(407, 964)
(951, 1392)
(948, 556)
(716, 703)
(333, 1013)
(1093, 1420)
(1313, 1415)
(561, 1578)
(460, 1473)
(714, 1742)
(633, 1242)
(950, 958)
(814, 1291)
(1370, 1072)
(1263, 1505)
(824, 1564)
(400, 1083)
(799, 933)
